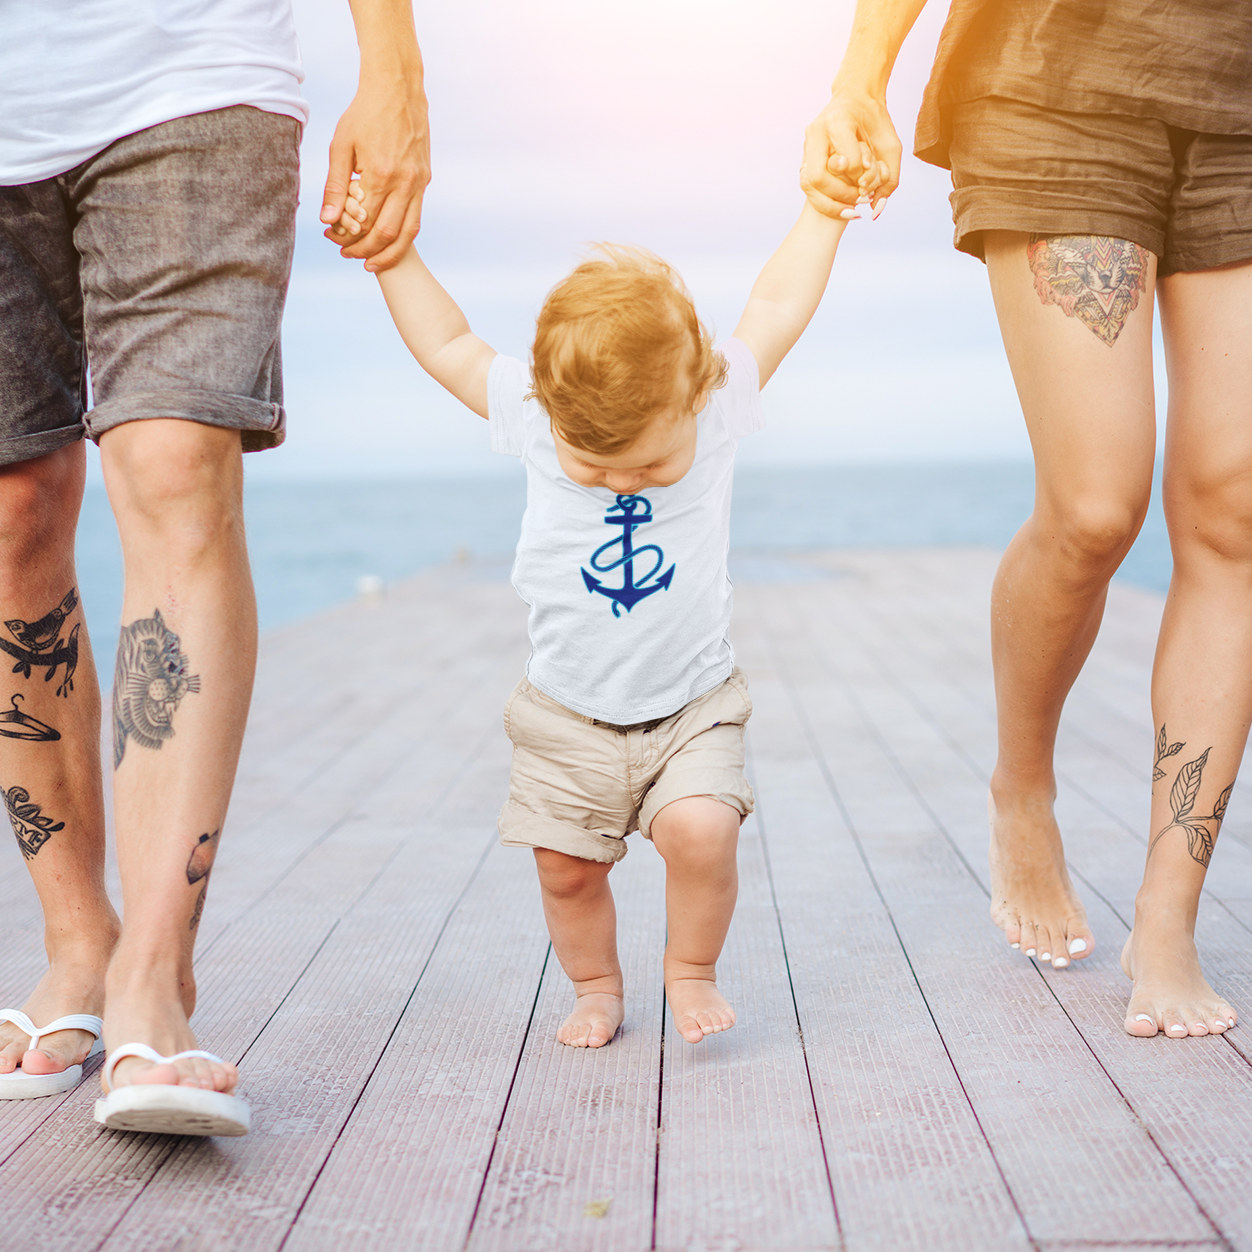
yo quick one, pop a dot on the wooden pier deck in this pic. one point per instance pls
(899, 1079)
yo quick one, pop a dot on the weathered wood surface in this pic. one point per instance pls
(898, 1080)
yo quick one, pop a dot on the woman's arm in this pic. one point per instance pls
(436, 331)
(836, 172)
(790, 287)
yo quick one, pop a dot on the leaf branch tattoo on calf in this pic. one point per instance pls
(149, 684)
(1094, 278)
(1164, 750)
(1182, 799)
(32, 828)
(40, 644)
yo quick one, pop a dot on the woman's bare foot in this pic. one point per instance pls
(594, 1021)
(73, 984)
(150, 1009)
(1032, 898)
(698, 1007)
(1171, 994)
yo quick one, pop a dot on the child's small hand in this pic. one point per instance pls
(354, 214)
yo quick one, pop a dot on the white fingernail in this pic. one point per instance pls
(1077, 945)
(1015, 946)
(850, 215)
(1143, 1017)
(1030, 951)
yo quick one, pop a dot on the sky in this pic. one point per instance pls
(675, 124)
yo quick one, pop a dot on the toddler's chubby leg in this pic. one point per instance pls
(582, 922)
(698, 837)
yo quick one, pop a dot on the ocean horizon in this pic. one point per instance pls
(312, 542)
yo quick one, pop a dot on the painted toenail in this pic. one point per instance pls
(1178, 1028)
(1231, 1020)
(1061, 962)
(1143, 1017)
(1015, 946)
(1045, 956)
(1030, 951)
(1077, 945)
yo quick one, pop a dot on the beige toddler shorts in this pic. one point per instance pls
(580, 786)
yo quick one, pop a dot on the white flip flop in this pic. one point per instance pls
(161, 1109)
(20, 1085)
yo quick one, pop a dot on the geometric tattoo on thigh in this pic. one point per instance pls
(201, 859)
(1094, 278)
(149, 684)
(30, 826)
(40, 644)
(1201, 836)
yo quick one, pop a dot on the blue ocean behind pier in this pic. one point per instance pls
(311, 542)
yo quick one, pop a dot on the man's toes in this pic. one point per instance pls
(1141, 1025)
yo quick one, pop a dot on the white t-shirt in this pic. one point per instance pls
(75, 75)
(626, 638)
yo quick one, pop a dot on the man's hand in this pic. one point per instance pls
(851, 152)
(383, 137)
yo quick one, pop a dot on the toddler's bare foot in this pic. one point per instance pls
(1032, 898)
(1171, 994)
(698, 1007)
(594, 1021)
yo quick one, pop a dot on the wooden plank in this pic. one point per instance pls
(910, 1164)
(1019, 1057)
(576, 1157)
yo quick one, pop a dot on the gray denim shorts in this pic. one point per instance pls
(160, 264)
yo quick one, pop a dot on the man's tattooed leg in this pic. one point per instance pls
(149, 684)
(39, 644)
(32, 828)
(1094, 278)
(1201, 830)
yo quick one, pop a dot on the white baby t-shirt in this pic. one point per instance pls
(629, 596)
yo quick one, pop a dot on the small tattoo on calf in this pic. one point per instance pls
(1182, 798)
(14, 724)
(1164, 750)
(149, 684)
(1094, 278)
(200, 862)
(40, 644)
(30, 825)
(199, 909)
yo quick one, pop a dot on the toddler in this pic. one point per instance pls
(631, 714)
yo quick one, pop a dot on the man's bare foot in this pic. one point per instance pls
(594, 1021)
(1171, 994)
(144, 1011)
(71, 985)
(698, 1007)
(1032, 898)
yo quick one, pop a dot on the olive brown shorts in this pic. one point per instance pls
(161, 263)
(580, 786)
(1183, 195)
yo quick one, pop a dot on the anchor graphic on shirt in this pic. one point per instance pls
(629, 512)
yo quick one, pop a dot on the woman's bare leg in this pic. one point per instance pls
(1202, 683)
(1076, 317)
(50, 750)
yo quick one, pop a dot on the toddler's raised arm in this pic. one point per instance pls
(790, 287)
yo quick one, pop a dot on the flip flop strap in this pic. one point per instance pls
(146, 1053)
(71, 1021)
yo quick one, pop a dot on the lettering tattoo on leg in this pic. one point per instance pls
(1094, 278)
(1201, 836)
(149, 684)
(32, 828)
(14, 724)
(40, 644)
(200, 862)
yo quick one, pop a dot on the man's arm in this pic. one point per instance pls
(790, 287)
(836, 171)
(437, 332)
(383, 134)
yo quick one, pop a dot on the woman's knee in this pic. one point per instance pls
(1092, 531)
(1210, 515)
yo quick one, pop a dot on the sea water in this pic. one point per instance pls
(311, 543)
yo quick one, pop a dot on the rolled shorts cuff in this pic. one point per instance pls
(17, 448)
(261, 423)
(981, 208)
(521, 828)
(727, 785)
